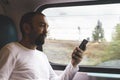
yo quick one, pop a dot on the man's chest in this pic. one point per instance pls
(35, 66)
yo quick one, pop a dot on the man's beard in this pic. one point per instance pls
(40, 40)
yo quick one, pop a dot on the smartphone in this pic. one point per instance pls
(83, 44)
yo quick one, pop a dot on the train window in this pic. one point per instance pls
(68, 26)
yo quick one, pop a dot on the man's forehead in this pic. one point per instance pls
(40, 18)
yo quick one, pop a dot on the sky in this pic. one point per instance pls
(64, 21)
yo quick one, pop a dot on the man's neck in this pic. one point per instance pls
(28, 44)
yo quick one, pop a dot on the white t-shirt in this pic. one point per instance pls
(20, 63)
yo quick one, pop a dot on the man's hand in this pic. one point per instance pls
(76, 56)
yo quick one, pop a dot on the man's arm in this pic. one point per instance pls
(71, 69)
(7, 63)
(67, 74)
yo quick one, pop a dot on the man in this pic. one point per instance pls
(22, 61)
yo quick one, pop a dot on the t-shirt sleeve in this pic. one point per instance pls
(7, 63)
(68, 73)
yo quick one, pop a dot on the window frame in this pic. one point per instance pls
(82, 3)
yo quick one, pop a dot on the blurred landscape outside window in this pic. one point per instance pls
(68, 26)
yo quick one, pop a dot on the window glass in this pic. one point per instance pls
(68, 26)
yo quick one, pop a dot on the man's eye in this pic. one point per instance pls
(42, 25)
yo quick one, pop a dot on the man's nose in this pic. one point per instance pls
(45, 30)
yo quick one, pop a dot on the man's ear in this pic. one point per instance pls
(27, 28)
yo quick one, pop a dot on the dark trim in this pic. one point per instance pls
(58, 66)
(89, 69)
(80, 3)
(99, 69)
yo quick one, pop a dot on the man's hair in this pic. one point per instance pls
(27, 18)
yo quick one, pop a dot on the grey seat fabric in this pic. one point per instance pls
(8, 31)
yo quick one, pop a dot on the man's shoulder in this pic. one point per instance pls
(9, 48)
(41, 52)
(11, 45)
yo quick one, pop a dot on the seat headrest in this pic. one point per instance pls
(8, 31)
